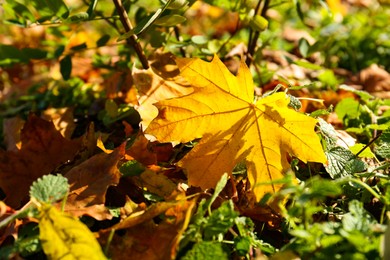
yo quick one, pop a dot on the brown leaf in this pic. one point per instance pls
(89, 182)
(43, 150)
(141, 151)
(12, 127)
(376, 81)
(62, 119)
(143, 238)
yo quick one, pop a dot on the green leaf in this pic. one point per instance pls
(258, 23)
(82, 16)
(383, 149)
(66, 67)
(343, 163)
(220, 220)
(294, 102)
(91, 8)
(363, 94)
(49, 188)
(49, 8)
(304, 47)
(177, 4)
(199, 39)
(307, 65)
(103, 40)
(170, 20)
(207, 250)
(366, 152)
(15, 8)
(131, 168)
(348, 107)
(64, 237)
(10, 55)
(357, 219)
(242, 245)
(36, 54)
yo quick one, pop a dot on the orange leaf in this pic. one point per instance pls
(234, 127)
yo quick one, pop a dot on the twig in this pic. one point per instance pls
(132, 40)
(177, 36)
(367, 145)
(253, 40)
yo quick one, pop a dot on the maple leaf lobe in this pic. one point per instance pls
(221, 111)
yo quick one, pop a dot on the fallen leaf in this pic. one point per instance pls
(64, 237)
(156, 182)
(62, 119)
(143, 238)
(375, 81)
(43, 149)
(12, 127)
(160, 82)
(141, 151)
(234, 127)
(89, 182)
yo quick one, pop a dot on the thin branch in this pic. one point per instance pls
(178, 38)
(253, 40)
(132, 40)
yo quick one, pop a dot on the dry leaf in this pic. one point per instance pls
(89, 182)
(141, 151)
(62, 119)
(43, 150)
(233, 127)
(12, 127)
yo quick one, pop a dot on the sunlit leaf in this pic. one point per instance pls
(234, 127)
(64, 237)
(49, 188)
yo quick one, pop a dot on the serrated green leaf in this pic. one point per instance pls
(64, 237)
(343, 163)
(49, 188)
(207, 250)
(220, 220)
(357, 219)
(383, 150)
(294, 102)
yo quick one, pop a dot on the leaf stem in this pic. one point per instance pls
(132, 40)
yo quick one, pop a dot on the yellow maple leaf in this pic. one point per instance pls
(234, 127)
(64, 237)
